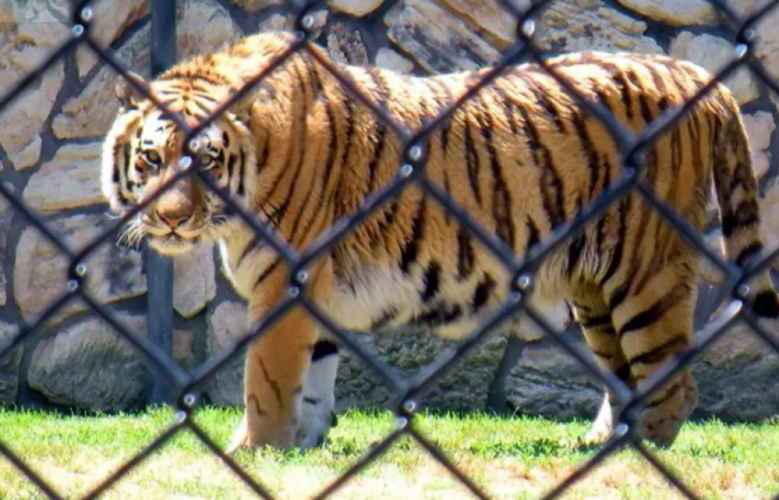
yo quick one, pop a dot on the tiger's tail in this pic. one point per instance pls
(736, 187)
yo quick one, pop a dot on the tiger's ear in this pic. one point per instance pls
(126, 92)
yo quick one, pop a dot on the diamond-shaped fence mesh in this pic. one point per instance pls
(411, 171)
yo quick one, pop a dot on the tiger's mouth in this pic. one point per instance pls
(172, 243)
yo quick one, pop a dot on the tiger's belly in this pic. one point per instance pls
(377, 297)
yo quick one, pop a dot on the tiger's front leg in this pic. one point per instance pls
(276, 369)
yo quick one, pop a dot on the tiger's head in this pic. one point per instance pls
(143, 150)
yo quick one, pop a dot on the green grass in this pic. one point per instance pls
(511, 458)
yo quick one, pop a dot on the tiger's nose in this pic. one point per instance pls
(173, 220)
(174, 209)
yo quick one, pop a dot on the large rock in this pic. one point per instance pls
(437, 39)
(255, 5)
(490, 16)
(575, 25)
(194, 283)
(109, 20)
(69, 180)
(412, 353)
(769, 223)
(6, 215)
(765, 31)
(713, 53)
(357, 8)
(226, 325)
(40, 273)
(737, 376)
(89, 366)
(9, 366)
(202, 26)
(30, 32)
(676, 12)
(389, 59)
(547, 381)
(760, 127)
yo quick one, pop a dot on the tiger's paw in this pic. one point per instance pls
(663, 418)
(603, 426)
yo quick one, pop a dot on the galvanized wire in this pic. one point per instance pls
(186, 386)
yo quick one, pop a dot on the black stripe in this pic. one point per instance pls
(623, 373)
(595, 321)
(580, 126)
(600, 232)
(409, 252)
(432, 281)
(282, 211)
(661, 352)
(506, 105)
(540, 95)
(616, 257)
(230, 167)
(625, 92)
(482, 293)
(747, 213)
(385, 318)
(274, 385)
(694, 129)
(441, 314)
(446, 126)
(619, 295)
(304, 211)
(501, 198)
(603, 355)
(378, 149)
(551, 186)
(575, 250)
(472, 162)
(241, 165)
(533, 236)
(267, 271)
(211, 78)
(670, 392)
(766, 304)
(656, 311)
(646, 113)
(465, 254)
(323, 349)
(753, 248)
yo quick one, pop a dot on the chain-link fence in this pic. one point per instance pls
(411, 171)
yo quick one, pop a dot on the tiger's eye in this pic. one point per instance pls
(206, 160)
(153, 156)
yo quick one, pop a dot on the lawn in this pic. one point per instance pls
(509, 458)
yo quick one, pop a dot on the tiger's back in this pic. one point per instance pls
(522, 157)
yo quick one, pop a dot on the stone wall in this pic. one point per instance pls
(50, 145)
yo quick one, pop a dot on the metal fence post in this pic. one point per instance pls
(160, 268)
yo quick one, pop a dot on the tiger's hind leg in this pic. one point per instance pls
(655, 322)
(595, 319)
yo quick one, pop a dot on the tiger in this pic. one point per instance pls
(522, 156)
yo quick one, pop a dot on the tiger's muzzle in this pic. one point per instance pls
(175, 220)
